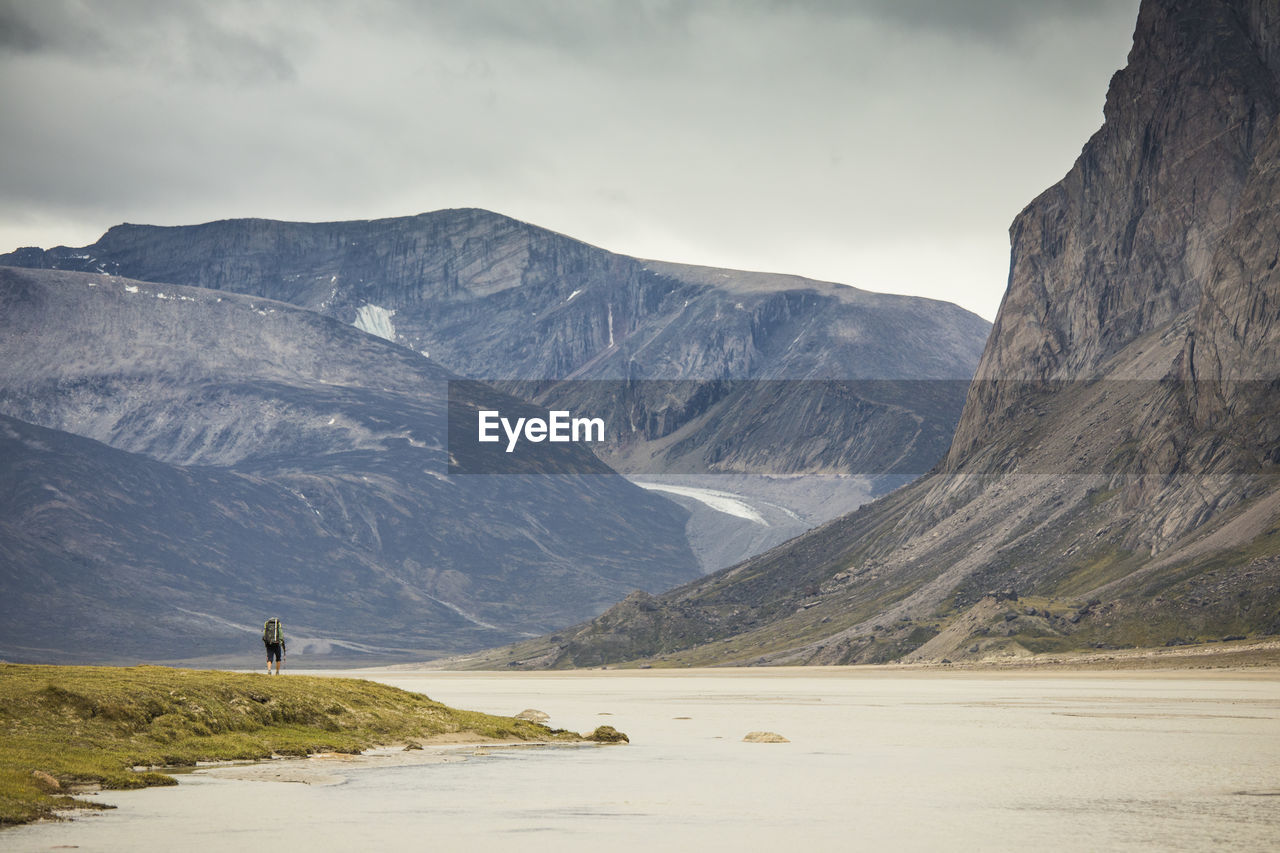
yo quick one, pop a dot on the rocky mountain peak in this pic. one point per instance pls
(1126, 244)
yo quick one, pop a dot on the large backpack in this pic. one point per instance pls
(272, 631)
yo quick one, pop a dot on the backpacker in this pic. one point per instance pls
(272, 632)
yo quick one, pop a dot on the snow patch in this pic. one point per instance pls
(726, 502)
(160, 294)
(376, 320)
(571, 295)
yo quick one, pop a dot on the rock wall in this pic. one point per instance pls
(1130, 239)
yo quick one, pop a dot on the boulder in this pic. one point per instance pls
(533, 715)
(607, 734)
(764, 737)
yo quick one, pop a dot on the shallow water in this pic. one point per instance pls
(895, 761)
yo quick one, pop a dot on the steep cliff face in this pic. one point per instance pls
(1134, 267)
(1234, 333)
(1125, 243)
(1114, 478)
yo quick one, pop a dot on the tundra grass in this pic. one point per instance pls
(63, 726)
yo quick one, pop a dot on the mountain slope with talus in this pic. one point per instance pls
(180, 463)
(760, 385)
(1114, 480)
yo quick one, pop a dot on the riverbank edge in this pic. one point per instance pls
(1233, 655)
(67, 729)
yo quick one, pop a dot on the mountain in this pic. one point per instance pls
(1115, 475)
(181, 463)
(798, 399)
(493, 298)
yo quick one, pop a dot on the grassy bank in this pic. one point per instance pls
(63, 727)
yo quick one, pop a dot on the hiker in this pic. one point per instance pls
(273, 639)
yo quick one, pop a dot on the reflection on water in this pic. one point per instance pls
(875, 760)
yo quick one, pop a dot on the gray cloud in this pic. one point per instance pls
(988, 20)
(196, 40)
(883, 144)
(16, 33)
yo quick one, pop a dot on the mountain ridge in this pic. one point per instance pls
(570, 326)
(465, 255)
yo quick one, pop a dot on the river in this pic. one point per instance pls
(876, 760)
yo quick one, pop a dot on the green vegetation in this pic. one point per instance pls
(1091, 570)
(66, 726)
(1047, 645)
(1098, 497)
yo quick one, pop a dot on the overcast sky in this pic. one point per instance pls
(881, 143)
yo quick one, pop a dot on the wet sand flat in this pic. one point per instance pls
(903, 760)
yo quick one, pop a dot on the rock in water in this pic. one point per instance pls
(533, 715)
(607, 734)
(764, 737)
